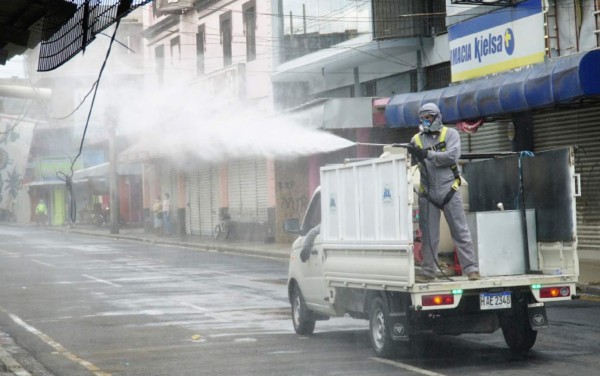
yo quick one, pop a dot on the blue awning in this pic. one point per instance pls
(555, 81)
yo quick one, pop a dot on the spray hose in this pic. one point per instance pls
(392, 145)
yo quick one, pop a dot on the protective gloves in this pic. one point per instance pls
(417, 153)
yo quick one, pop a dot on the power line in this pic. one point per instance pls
(68, 178)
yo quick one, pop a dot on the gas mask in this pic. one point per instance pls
(430, 125)
(434, 124)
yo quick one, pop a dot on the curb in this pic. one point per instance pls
(223, 248)
(8, 364)
(587, 289)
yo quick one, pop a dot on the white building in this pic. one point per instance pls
(213, 51)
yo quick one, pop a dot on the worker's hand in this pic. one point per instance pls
(417, 153)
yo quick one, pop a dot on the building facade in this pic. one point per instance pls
(527, 74)
(221, 53)
(72, 135)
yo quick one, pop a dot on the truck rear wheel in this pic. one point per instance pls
(304, 323)
(379, 331)
(518, 334)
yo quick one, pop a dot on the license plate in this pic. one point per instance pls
(494, 300)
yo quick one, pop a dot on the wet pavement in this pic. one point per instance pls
(589, 279)
(589, 261)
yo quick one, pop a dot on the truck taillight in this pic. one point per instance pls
(437, 300)
(555, 292)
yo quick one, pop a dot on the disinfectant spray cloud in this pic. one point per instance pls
(179, 123)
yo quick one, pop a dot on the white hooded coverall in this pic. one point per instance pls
(437, 178)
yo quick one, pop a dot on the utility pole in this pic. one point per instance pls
(113, 186)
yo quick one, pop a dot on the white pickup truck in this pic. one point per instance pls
(355, 254)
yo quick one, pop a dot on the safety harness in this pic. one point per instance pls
(440, 146)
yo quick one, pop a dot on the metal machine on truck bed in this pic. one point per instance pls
(355, 251)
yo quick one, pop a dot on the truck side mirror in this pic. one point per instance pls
(292, 226)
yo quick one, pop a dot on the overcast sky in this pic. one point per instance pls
(13, 67)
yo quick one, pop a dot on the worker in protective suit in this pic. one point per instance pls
(436, 149)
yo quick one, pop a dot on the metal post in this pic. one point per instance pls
(113, 177)
(357, 91)
(420, 73)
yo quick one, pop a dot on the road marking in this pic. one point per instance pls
(9, 253)
(101, 280)
(43, 263)
(407, 367)
(58, 347)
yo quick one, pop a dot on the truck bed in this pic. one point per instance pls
(392, 268)
(456, 283)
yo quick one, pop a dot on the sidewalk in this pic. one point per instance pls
(268, 250)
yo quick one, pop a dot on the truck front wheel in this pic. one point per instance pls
(304, 323)
(379, 331)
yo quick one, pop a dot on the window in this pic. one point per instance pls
(159, 57)
(436, 77)
(134, 44)
(313, 214)
(370, 88)
(419, 18)
(200, 49)
(175, 50)
(250, 29)
(226, 38)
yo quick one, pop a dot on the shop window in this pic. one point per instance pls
(249, 10)
(226, 38)
(200, 50)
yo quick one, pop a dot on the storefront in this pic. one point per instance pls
(91, 189)
(552, 104)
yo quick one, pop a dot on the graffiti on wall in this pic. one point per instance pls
(290, 199)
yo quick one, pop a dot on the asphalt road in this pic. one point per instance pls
(78, 305)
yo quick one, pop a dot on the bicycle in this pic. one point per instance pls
(221, 231)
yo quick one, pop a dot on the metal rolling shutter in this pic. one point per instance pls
(579, 128)
(206, 200)
(262, 193)
(165, 179)
(216, 194)
(234, 188)
(490, 137)
(168, 183)
(192, 183)
(248, 190)
(248, 195)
